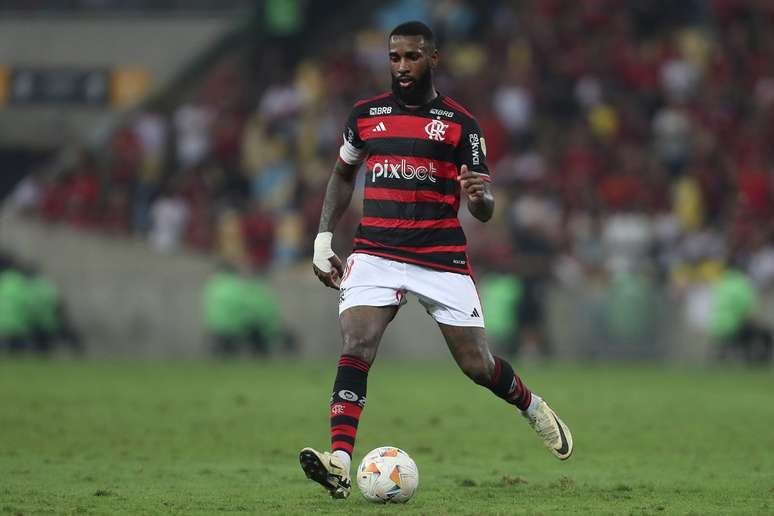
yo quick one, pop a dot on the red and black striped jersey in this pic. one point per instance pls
(412, 195)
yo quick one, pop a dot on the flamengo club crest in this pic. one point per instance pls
(436, 130)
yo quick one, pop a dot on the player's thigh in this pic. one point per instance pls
(468, 345)
(448, 297)
(362, 328)
(370, 281)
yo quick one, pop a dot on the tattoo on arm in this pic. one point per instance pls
(337, 195)
(484, 208)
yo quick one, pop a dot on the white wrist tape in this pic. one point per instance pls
(323, 251)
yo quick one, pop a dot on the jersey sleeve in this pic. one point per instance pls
(352, 150)
(471, 150)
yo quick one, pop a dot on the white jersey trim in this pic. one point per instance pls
(351, 155)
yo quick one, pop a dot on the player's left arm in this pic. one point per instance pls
(476, 187)
(474, 173)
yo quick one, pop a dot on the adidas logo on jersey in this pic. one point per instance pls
(379, 128)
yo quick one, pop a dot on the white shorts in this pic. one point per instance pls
(448, 297)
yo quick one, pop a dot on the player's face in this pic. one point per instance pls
(411, 65)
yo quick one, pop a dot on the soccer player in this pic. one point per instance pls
(422, 150)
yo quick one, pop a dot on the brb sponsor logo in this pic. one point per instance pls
(381, 110)
(442, 112)
(436, 130)
(403, 170)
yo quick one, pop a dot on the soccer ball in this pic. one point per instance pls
(387, 474)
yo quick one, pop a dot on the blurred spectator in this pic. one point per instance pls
(230, 241)
(679, 78)
(284, 17)
(15, 320)
(49, 320)
(33, 317)
(732, 322)
(535, 221)
(761, 266)
(224, 312)
(264, 321)
(83, 193)
(169, 215)
(151, 130)
(513, 105)
(631, 317)
(500, 295)
(258, 234)
(241, 313)
(626, 240)
(192, 127)
(672, 133)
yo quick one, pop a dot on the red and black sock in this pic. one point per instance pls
(347, 402)
(507, 385)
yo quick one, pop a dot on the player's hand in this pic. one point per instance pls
(472, 183)
(333, 277)
(326, 265)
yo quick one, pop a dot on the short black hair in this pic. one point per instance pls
(415, 28)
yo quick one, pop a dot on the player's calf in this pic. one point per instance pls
(555, 434)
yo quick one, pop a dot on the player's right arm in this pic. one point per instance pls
(337, 195)
(326, 265)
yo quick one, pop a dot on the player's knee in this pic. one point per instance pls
(360, 346)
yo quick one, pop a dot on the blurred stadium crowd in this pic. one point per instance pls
(624, 137)
(96, 6)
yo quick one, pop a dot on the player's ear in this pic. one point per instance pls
(434, 58)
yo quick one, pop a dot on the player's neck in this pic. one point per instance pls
(431, 96)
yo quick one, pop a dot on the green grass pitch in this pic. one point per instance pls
(207, 438)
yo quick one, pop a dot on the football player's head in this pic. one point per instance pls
(413, 57)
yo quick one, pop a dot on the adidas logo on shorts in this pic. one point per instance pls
(475, 313)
